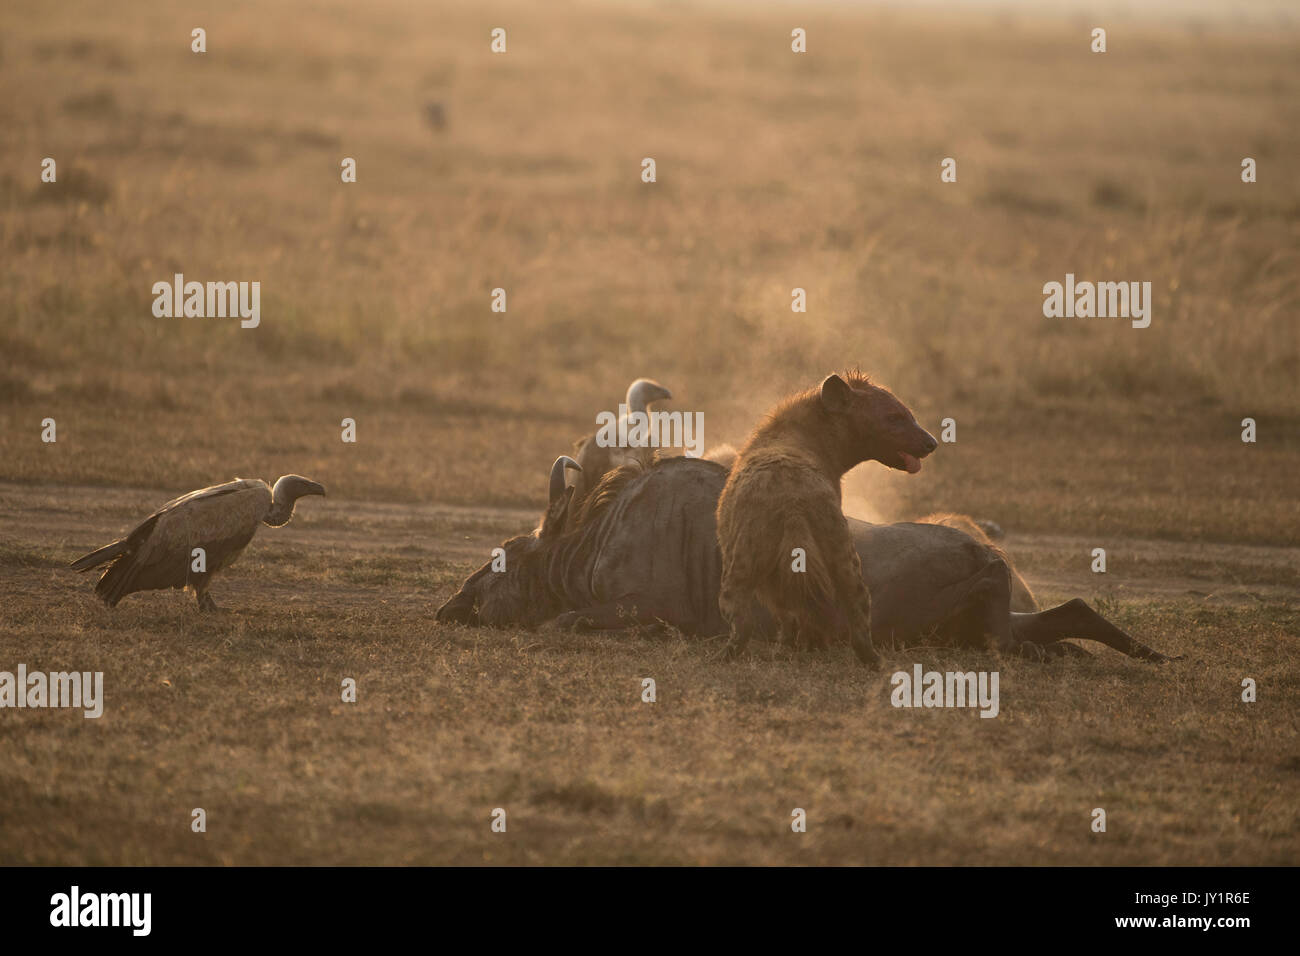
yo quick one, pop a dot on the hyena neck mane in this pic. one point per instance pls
(801, 425)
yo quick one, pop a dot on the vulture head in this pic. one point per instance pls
(285, 494)
(644, 391)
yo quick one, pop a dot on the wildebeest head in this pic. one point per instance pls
(512, 588)
(870, 424)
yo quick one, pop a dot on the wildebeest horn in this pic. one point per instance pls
(557, 474)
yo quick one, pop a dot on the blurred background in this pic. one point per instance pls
(522, 171)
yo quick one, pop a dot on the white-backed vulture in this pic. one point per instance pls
(221, 520)
(594, 461)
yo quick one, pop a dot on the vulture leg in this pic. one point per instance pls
(205, 601)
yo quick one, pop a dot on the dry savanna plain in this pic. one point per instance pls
(522, 171)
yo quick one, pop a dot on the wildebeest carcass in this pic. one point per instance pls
(642, 549)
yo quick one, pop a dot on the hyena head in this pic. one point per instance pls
(869, 424)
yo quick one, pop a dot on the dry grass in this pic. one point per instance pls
(775, 171)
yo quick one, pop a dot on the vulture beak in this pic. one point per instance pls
(296, 486)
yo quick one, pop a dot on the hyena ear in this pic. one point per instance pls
(836, 393)
(553, 520)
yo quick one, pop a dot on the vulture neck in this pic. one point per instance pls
(280, 513)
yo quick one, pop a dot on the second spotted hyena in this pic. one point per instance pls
(784, 493)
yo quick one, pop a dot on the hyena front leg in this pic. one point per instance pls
(852, 590)
(788, 626)
(801, 632)
(740, 610)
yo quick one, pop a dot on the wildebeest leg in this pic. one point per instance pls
(1063, 649)
(980, 609)
(1076, 619)
(981, 612)
(205, 601)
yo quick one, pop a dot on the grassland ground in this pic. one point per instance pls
(240, 713)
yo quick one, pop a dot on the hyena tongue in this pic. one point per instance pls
(913, 464)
